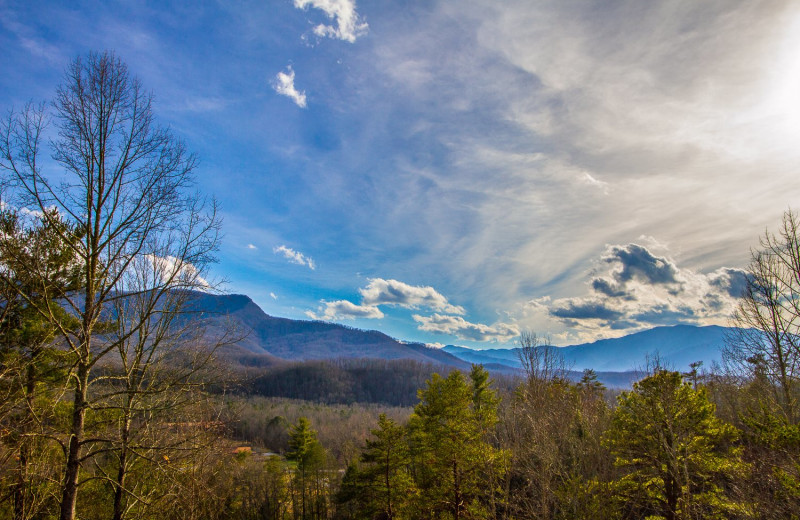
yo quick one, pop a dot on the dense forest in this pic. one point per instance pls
(115, 403)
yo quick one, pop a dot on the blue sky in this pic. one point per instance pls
(459, 171)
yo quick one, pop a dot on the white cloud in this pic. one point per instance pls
(25, 212)
(459, 327)
(149, 270)
(295, 257)
(628, 122)
(251, 246)
(345, 310)
(284, 85)
(393, 292)
(273, 296)
(633, 289)
(348, 24)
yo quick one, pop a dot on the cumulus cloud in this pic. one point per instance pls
(348, 24)
(284, 85)
(636, 262)
(251, 246)
(387, 292)
(344, 310)
(393, 292)
(732, 281)
(294, 257)
(636, 289)
(580, 309)
(150, 270)
(461, 328)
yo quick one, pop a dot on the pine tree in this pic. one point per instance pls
(388, 457)
(38, 270)
(309, 456)
(453, 460)
(679, 460)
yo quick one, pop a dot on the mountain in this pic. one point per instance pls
(265, 339)
(676, 346)
(286, 339)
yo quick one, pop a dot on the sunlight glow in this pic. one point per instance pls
(781, 102)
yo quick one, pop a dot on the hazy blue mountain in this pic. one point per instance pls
(677, 347)
(265, 335)
(268, 338)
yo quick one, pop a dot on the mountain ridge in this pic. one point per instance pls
(305, 340)
(275, 339)
(676, 347)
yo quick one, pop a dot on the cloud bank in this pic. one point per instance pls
(392, 292)
(462, 329)
(634, 289)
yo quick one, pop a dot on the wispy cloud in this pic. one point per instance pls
(284, 85)
(348, 24)
(461, 328)
(294, 257)
(252, 247)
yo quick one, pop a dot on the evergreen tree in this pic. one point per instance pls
(389, 480)
(38, 270)
(453, 460)
(590, 384)
(309, 456)
(679, 460)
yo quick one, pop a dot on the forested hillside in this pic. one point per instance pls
(288, 339)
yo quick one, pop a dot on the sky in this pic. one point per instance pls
(459, 171)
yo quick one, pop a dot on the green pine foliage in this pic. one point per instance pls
(678, 460)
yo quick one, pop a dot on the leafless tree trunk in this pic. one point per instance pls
(123, 185)
(765, 344)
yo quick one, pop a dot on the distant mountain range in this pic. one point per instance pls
(274, 339)
(676, 347)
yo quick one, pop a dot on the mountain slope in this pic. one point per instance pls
(305, 340)
(676, 346)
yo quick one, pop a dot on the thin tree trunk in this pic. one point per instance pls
(20, 499)
(69, 495)
(119, 485)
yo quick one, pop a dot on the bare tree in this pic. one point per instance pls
(540, 360)
(124, 184)
(764, 346)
